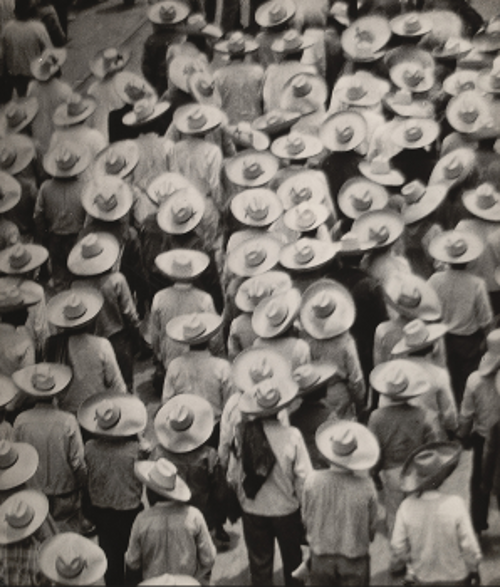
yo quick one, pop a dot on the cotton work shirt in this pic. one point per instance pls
(17, 349)
(240, 88)
(22, 43)
(58, 208)
(480, 408)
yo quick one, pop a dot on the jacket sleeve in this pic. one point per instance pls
(302, 467)
(125, 301)
(113, 379)
(204, 545)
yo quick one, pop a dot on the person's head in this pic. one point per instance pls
(423, 352)
(201, 346)
(23, 9)
(16, 318)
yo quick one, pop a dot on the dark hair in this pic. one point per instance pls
(154, 497)
(23, 9)
(16, 318)
(422, 352)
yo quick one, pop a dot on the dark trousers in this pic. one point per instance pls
(479, 501)
(59, 246)
(336, 569)
(260, 533)
(463, 354)
(122, 345)
(113, 531)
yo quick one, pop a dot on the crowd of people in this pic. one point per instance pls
(292, 216)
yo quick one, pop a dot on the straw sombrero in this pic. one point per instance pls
(165, 185)
(275, 13)
(19, 113)
(254, 255)
(348, 445)
(74, 309)
(275, 314)
(469, 112)
(379, 171)
(290, 42)
(405, 104)
(16, 153)
(237, 44)
(343, 131)
(327, 309)
(255, 289)
(489, 80)
(456, 246)
(14, 297)
(19, 259)
(305, 93)
(246, 137)
(183, 67)
(350, 244)
(412, 297)
(182, 211)
(452, 49)
(308, 254)
(359, 195)
(8, 390)
(256, 207)
(420, 201)
(203, 89)
(483, 202)
(10, 192)
(411, 68)
(168, 12)
(418, 335)
(196, 24)
(119, 159)
(460, 81)
(75, 110)
(415, 133)
(296, 146)
(251, 168)
(107, 198)
(304, 186)
(21, 515)
(486, 42)
(108, 61)
(276, 122)
(182, 264)
(131, 87)
(113, 414)
(400, 379)
(197, 118)
(306, 217)
(194, 328)
(161, 476)
(356, 90)
(411, 24)
(184, 423)
(67, 159)
(312, 376)
(71, 559)
(94, 254)
(46, 65)
(379, 228)
(18, 463)
(268, 397)
(144, 111)
(43, 379)
(254, 365)
(365, 37)
(454, 167)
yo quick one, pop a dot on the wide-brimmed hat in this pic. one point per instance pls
(254, 365)
(483, 202)
(21, 515)
(417, 335)
(183, 67)
(365, 37)
(275, 314)
(290, 42)
(184, 423)
(490, 361)
(269, 396)
(108, 61)
(348, 445)
(67, 159)
(308, 254)
(16, 153)
(165, 185)
(327, 309)
(429, 465)
(74, 308)
(19, 113)
(71, 559)
(113, 414)
(486, 42)
(254, 255)
(380, 171)
(306, 216)
(411, 24)
(251, 168)
(18, 463)
(46, 65)
(379, 228)
(107, 198)
(118, 160)
(461, 80)
(197, 118)
(400, 379)
(412, 297)
(182, 211)
(168, 12)
(194, 328)
(302, 187)
(256, 207)
(161, 476)
(350, 244)
(356, 90)
(454, 167)
(453, 48)
(469, 112)
(237, 44)
(312, 376)
(244, 136)
(305, 93)
(94, 254)
(343, 131)
(43, 379)
(75, 110)
(456, 246)
(13, 298)
(421, 200)
(489, 80)
(196, 24)
(203, 89)
(405, 104)
(182, 264)
(275, 13)
(22, 258)
(276, 121)
(145, 111)
(415, 133)
(411, 69)
(131, 87)
(10, 192)
(296, 146)
(8, 390)
(255, 289)
(359, 195)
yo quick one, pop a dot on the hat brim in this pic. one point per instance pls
(181, 9)
(183, 67)
(486, 42)
(364, 457)
(31, 110)
(338, 322)
(491, 214)
(123, 205)
(379, 28)
(175, 328)
(62, 118)
(288, 390)
(434, 196)
(438, 251)
(35, 66)
(328, 131)
(276, 281)
(180, 492)
(324, 374)
(302, 180)
(489, 364)
(51, 167)
(198, 433)
(430, 132)
(260, 323)
(164, 217)
(133, 414)
(212, 114)
(168, 180)
(258, 139)
(24, 149)
(11, 192)
(379, 195)
(465, 46)
(236, 257)
(234, 168)
(391, 220)
(324, 252)
(127, 149)
(29, 298)
(123, 78)
(394, 178)
(452, 85)
(397, 25)
(249, 47)
(40, 505)
(484, 81)
(417, 108)
(483, 120)
(130, 119)
(321, 213)
(38, 254)
(262, 14)
(8, 390)
(312, 147)
(96, 65)
(284, 121)
(79, 265)
(371, 98)
(96, 563)
(255, 356)
(436, 331)
(429, 307)
(92, 299)
(397, 72)
(199, 263)
(62, 377)
(467, 158)
(417, 382)
(22, 470)
(240, 202)
(410, 480)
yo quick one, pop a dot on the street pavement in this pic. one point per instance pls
(110, 23)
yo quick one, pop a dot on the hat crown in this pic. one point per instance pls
(15, 114)
(412, 24)
(8, 454)
(143, 109)
(323, 305)
(468, 112)
(19, 515)
(182, 212)
(106, 202)
(356, 90)
(111, 58)
(456, 247)
(8, 156)
(48, 63)
(167, 13)
(303, 253)
(182, 265)
(350, 242)
(66, 159)
(256, 292)
(403, 97)
(257, 207)
(43, 379)
(344, 444)
(486, 196)
(301, 195)
(255, 256)
(409, 297)
(181, 418)
(379, 165)
(413, 74)
(91, 247)
(363, 36)
(463, 85)
(164, 474)
(306, 376)
(252, 169)
(413, 133)
(292, 40)
(427, 463)
(379, 234)
(10, 296)
(397, 381)
(362, 201)
(75, 105)
(276, 312)
(295, 144)
(19, 257)
(301, 86)
(196, 119)
(193, 327)
(236, 43)
(267, 395)
(261, 371)
(453, 168)
(277, 12)
(74, 307)
(69, 565)
(413, 192)
(415, 333)
(344, 134)
(114, 163)
(274, 118)
(107, 414)
(305, 218)
(197, 21)
(135, 90)
(206, 86)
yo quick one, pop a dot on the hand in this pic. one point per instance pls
(474, 578)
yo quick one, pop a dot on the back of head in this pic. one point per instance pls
(23, 9)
